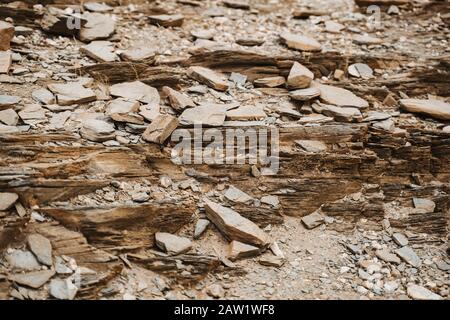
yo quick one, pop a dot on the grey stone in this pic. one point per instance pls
(420, 293)
(172, 244)
(400, 239)
(23, 260)
(41, 247)
(34, 279)
(409, 256)
(200, 227)
(313, 220)
(424, 204)
(63, 289)
(7, 200)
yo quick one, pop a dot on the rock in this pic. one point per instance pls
(5, 61)
(97, 130)
(234, 226)
(58, 120)
(386, 125)
(376, 116)
(165, 20)
(390, 286)
(172, 244)
(333, 27)
(366, 39)
(305, 94)
(420, 293)
(200, 227)
(9, 117)
(63, 289)
(41, 247)
(100, 51)
(250, 41)
(121, 105)
(160, 129)
(97, 7)
(272, 261)
(299, 77)
(237, 4)
(313, 220)
(43, 96)
(149, 112)
(4, 129)
(58, 22)
(206, 115)
(313, 146)
(340, 97)
(71, 93)
(270, 82)
(246, 113)
(387, 256)
(344, 114)
(209, 77)
(409, 256)
(136, 90)
(139, 54)
(238, 250)
(8, 101)
(216, 291)
(6, 35)
(400, 239)
(360, 70)
(23, 260)
(98, 27)
(446, 129)
(424, 205)
(236, 195)
(34, 279)
(434, 108)
(32, 112)
(7, 200)
(270, 200)
(300, 42)
(178, 100)
(203, 34)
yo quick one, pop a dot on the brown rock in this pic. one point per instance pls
(433, 108)
(98, 27)
(313, 220)
(165, 20)
(139, 54)
(160, 129)
(305, 94)
(300, 42)
(299, 77)
(7, 200)
(246, 113)
(339, 97)
(5, 61)
(209, 77)
(97, 130)
(136, 90)
(41, 247)
(6, 35)
(178, 100)
(270, 82)
(206, 114)
(238, 250)
(100, 51)
(71, 93)
(172, 244)
(9, 117)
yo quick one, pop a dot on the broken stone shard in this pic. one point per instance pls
(387, 256)
(238, 250)
(43, 96)
(160, 129)
(136, 90)
(41, 247)
(100, 51)
(299, 77)
(340, 97)
(236, 195)
(433, 108)
(7, 200)
(22, 260)
(300, 42)
(172, 244)
(209, 77)
(34, 279)
(424, 205)
(400, 239)
(420, 293)
(165, 20)
(98, 27)
(9, 117)
(5, 61)
(245, 113)
(313, 146)
(270, 82)
(409, 256)
(71, 93)
(313, 220)
(360, 70)
(139, 54)
(6, 35)
(272, 261)
(178, 100)
(63, 289)
(234, 226)
(305, 94)
(97, 130)
(200, 227)
(207, 115)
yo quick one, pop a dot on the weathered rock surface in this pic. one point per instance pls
(172, 244)
(100, 51)
(178, 100)
(98, 27)
(63, 289)
(299, 77)
(209, 77)
(433, 108)
(136, 90)
(34, 279)
(409, 256)
(340, 97)
(7, 200)
(71, 93)
(9, 117)
(420, 293)
(313, 220)
(41, 247)
(165, 20)
(160, 129)
(5, 61)
(6, 35)
(97, 130)
(300, 42)
(238, 250)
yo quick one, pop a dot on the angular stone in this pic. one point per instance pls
(300, 42)
(4, 129)
(136, 90)
(234, 226)
(200, 227)
(420, 293)
(376, 116)
(299, 77)
(139, 54)
(178, 100)
(97, 130)
(6, 35)
(121, 105)
(58, 120)
(272, 261)
(305, 94)
(7, 200)
(149, 112)
(366, 39)
(409, 256)
(34, 279)
(32, 112)
(270, 82)
(9, 117)
(5, 61)
(313, 220)
(97, 7)
(22, 260)
(71, 93)
(333, 27)
(98, 27)
(237, 4)
(434, 108)
(128, 118)
(387, 256)
(250, 41)
(165, 20)
(343, 114)
(313, 146)
(63, 289)
(58, 22)
(208, 77)
(207, 115)
(100, 51)
(340, 97)
(270, 200)
(246, 113)
(386, 125)
(41, 247)
(360, 70)
(203, 34)
(9, 101)
(172, 244)
(216, 291)
(400, 239)
(236, 195)
(238, 250)
(43, 96)
(424, 205)
(160, 129)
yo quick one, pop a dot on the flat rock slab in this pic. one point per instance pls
(247, 113)
(71, 93)
(270, 82)
(7, 200)
(340, 97)
(299, 77)
(234, 226)
(272, 261)
(178, 100)
(139, 54)
(300, 42)
(207, 115)
(100, 51)
(367, 40)
(8, 101)
(400, 239)
(41, 247)
(420, 293)
(313, 220)
(424, 205)
(98, 27)
(63, 289)
(34, 280)
(360, 70)
(304, 94)
(22, 260)
(4, 129)
(97, 130)
(313, 146)
(5, 61)
(136, 90)
(208, 77)
(121, 105)
(165, 20)
(43, 96)
(32, 112)
(434, 108)
(6, 35)
(236, 195)
(409, 256)
(387, 256)
(160, 129)
(238, 250)
(200, 227)
(97, 7)
(9, 117)
(172, 244)
(343, 114)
